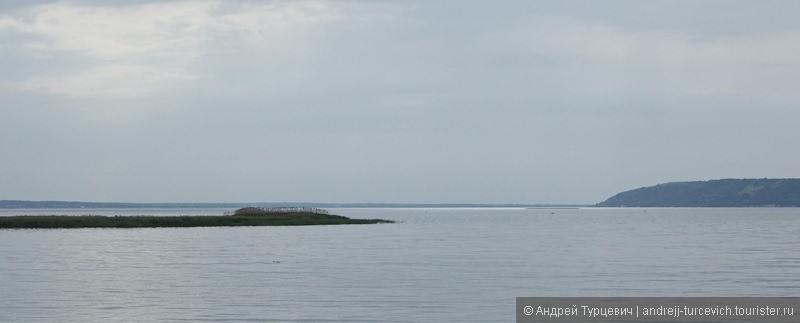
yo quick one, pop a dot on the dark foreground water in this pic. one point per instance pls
(434, 265)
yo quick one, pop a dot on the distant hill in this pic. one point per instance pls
(714, 193)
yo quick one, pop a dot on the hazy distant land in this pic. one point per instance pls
(713, 193)
(22, 204)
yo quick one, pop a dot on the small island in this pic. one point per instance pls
(247, 216)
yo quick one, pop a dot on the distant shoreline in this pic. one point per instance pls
(23, 204)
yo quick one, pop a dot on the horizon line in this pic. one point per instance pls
(68, 204)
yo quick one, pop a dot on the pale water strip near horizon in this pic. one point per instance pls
(433, 265)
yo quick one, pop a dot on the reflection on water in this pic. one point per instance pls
(433, 265)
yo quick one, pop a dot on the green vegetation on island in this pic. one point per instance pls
(242, 217)
(713, 193)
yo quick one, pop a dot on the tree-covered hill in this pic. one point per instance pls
(714, 193)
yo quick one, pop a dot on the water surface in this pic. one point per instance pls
(433, 265)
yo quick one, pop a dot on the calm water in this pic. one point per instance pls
(434, 265)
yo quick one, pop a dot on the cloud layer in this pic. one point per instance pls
(379, 101)
(138, 49)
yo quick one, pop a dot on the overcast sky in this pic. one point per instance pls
(392, 101)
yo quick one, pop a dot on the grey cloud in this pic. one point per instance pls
(537, 102)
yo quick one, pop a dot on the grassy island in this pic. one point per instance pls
(271, 218)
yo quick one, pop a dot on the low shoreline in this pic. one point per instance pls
(183, 221)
